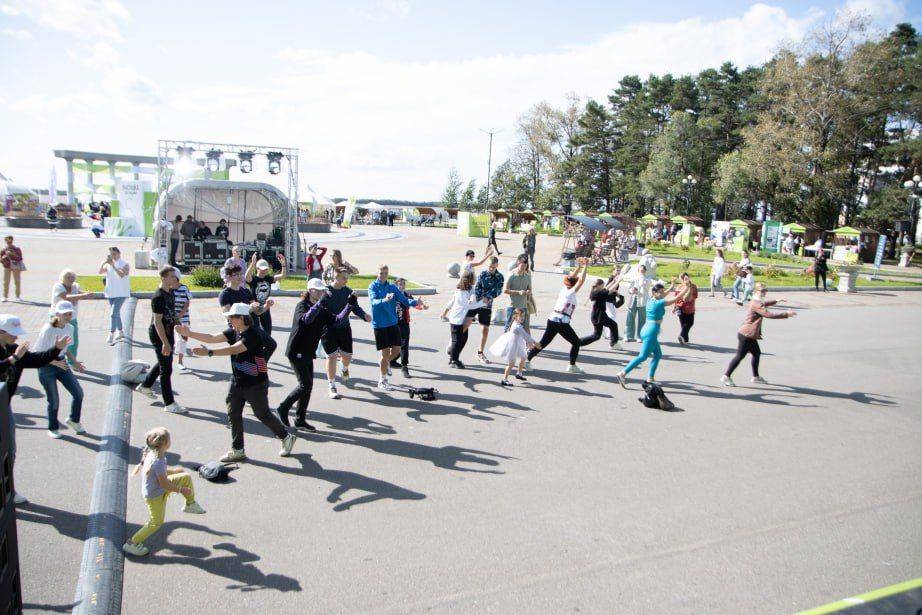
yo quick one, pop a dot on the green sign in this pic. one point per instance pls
(771, 236)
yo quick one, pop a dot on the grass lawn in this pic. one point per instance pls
(700, 274)
(149, 283)
(694, 252)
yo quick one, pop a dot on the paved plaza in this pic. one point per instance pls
(562, 494)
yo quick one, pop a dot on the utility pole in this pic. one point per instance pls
(490, 132)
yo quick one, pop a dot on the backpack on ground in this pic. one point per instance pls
(215, 471)
(654, 397)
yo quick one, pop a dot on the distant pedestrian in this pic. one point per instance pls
(118, 289)
(686, 296)
(491, 239)
(820, 269)
(718, 269)
(528, 243)
(175, 239)
(13, 266)
(750, 333)
(51, 217)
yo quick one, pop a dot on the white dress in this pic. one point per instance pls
(512, 346)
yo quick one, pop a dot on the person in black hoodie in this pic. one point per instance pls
(13, 359)
(600, 294)
(337, 338)
(403, 323)
(310, 321)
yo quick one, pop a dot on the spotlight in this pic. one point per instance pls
(185, 165)
(275, 162)
(213, 159)
(246, 161)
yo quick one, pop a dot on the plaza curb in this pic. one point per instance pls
(99, 586)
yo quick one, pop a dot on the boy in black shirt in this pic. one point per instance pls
(163, 320)
(249, 349)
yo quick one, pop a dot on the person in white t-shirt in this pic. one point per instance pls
(67, 289)
(118, 289)
(558, 323)
(59, 371)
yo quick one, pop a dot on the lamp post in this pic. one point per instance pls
(913, 186)
(569, 185)
(687, 184)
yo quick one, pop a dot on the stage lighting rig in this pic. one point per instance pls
(213, 161)
(246, 161)
(275, 162)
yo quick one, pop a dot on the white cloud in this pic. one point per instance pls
(90, 19)
(96, 56)
(877, 10)
(398, 7)
(20, 35)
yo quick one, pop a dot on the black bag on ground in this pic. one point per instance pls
(654, 397)
(215, 471)
(424, 393)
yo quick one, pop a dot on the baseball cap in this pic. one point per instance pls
(262, 264)
(238, 309)
(11, 324)
(316, 284)
(62, 307)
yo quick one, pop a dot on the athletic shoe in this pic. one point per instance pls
(20, 499)
(739, 302)
(505, 383)
(110, 339)
(616, 346)
(301, 423)
(344, 376)
(727, 381)
(456, 364)
(234, 455)
(119, 336)
(54, 433)
(77, 427)
(483, 358)
(132, 549)
(4, 300)
(146, 391)
(389, 372)
(681, 341)
(384, 385)
(395, 363)
(406, 372)
(193, 508)
(333, 393)
(520, 377)
(622, 379)
(448, 349)
(175, 408)
(575, 369)
(182, 369)
(287, 443)
(759, 380)
(443, 318)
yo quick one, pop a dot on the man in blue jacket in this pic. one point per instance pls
(384, 297)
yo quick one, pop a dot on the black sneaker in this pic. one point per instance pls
(304, 425)
(520, 377)
(505, 383)
(457, 364)
(406, 372)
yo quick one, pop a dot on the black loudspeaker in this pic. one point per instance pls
(192, 253)
(10, 586)
(214, 251)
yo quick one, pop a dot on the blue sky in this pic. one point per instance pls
(381, 96)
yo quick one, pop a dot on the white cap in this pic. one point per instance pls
(63, 307)
(262, 264)
(316, 284)
(11, 324)
(238, 309)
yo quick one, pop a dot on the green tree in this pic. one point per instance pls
(467, 201)
(594, 163)
(451, 196)
(674, 156)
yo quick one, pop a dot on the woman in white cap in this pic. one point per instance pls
(260, 279)
(13, 359)
(249, 350)
(50, 375)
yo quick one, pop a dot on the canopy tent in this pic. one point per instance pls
(862, 240)
(850, 231)
(800, 229)
(249, 207)
(651, 218)
(740, 223)
(590, 223)
(499, 213)
(452, 213)
(688, 220)
(10, 188)
(530, 215)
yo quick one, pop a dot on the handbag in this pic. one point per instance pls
(532, 306)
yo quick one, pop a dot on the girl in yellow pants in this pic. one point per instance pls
(159, 482)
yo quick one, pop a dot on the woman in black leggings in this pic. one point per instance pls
(600, 294)
(820, 269)
(750, 333)
(559, 321)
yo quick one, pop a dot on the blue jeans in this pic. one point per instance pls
(49, 376)
(737, 286)
(115, 313)
(636, 317)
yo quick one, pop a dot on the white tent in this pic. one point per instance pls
(372, 206)
(318, 199)
(8, 187)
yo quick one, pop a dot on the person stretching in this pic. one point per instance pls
(249, 349)
(337, 338)
(559, 321)
(750, 333)
(601, 294)
(468, 267)
(462, 304)
(649, 335)
(384, 297)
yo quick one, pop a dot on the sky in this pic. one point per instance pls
(381, 97)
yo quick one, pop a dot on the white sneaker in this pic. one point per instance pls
(77, 427)
(622, 379)
(110, 339)
(182, 369)
(4, 300)
(759, 380)
(448, 349)
(54, 433)
(728, 382)
(193, 508)
(575, 369)
(146, 391)
(333, 393)
(384, 385)
(132, 549)
(234, 455)
(175, 408)
(20, 499)
(287, 445)
(119, 336)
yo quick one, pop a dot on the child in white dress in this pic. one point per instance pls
(513, 346)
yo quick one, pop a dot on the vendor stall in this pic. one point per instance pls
(806, 232)
(686, 227)
(746, 233)
(501, 218)
(854, 244)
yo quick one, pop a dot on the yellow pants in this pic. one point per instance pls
(157, 507)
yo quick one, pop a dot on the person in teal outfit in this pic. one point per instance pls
(649, 335)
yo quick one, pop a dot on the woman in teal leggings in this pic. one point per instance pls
(649, 335)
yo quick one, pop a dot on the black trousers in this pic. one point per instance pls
(404, 358)
(458, 341)
(747, 345)
(301, 394)
(554, 329)
(492, 242)
(687, 321)
(816, 279)
(258, 398)
(163, 369)
(174, 246)
(605, 321)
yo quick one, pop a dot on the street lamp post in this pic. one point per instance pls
(569, 185)
(913, 186)
(688, 183)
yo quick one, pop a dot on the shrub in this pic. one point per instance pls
(684, 247)
(773, 271)
(206, 277)
(708, 248)
(686, 264)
